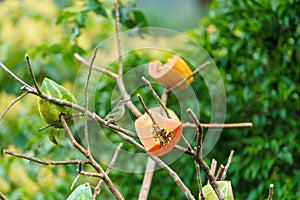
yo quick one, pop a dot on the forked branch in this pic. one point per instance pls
(45, 162)
(198, 158)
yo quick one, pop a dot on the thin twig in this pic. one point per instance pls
(184, 150)
(71, 138)
(146, 109)
(92, 174)
(270, 197)
(148, 175)
(32, 74)
(199, 133)
(111, 164)
(78, 175)
(198, 157)
(58, 121)
(120, 82)
(96, 68)
(156, 97)
(75, 180)
(12, 103)
(44, 162)
(192, 74)
(86, 103)
(187, 144)
(2, 197)
(14, 76)
(213, 166)
(230, 125)
(200, 196)
(227, 165)
(164, 96)
(220, 170)
(117, 25)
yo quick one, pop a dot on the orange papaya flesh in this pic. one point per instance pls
(171, 73)
(144, 128)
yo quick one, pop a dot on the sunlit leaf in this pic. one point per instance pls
(82, 192)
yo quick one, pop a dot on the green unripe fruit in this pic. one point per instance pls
(49, 111)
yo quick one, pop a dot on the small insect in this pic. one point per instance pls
(162, 135)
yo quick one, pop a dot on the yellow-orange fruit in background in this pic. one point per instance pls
(171, 73)
(145, 131)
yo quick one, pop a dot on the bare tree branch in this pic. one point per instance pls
(120, 82)
(148, 175)
(198, 158)
(32, 75)
(92, 174)
(213, 166)
(146, 109)
(184, 150)
(200, 196)
(44, 162)
(187, 143)
(270, 197)
(229, 125)
(112, 162)
(2, 197)
(12, 103)
(188, 77)
(117, 25)
(86, 103)
(71, 138)
(14, 76)
(199, 133)
(75, 180)
(220, 170)
(164, 96)
(96, 68)
(156, 97)
(227, 165)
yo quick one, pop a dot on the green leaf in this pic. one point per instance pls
(131, 17)
(82, 192)
(49, 111)
(225, 187)
(51, 136)
(96, 6)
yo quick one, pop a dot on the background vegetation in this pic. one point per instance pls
(255, 45)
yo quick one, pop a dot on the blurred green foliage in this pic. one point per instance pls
(255, 44)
